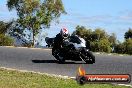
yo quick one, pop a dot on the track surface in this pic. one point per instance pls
(41, 60)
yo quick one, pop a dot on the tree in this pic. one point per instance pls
(99, 34)
(83, 32)
(100, 41)
(120, 48)
(18, 34)
(104, 45)
(4, 27)
(94, 46)
(96, 40)
(128, 46)
(112, 40)
(128, 34)
(4, 39)
(34, 15)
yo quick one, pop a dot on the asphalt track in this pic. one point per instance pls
(41, 60)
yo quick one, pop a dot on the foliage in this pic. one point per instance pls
(101, 46)
(128, 34)
(18, 33)
(112, 38)
(36, 14)
(4, 26)
(96, 40)
(99, 34)
(99, 41)
(128, 46)
(104, 45)
(5, 40)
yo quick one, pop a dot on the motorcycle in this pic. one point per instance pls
(74, 49)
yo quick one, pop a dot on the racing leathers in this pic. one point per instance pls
(57, 47)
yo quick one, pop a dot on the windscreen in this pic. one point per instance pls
(75, 39)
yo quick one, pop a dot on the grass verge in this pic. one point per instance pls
(116, 54)
(16, 79)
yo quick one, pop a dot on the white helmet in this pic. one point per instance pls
(64, 32)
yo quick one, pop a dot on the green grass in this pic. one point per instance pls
(16, 79)
(116, 54)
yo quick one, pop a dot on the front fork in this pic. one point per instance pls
(83, 54)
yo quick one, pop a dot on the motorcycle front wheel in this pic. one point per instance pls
(61, 60)
(88, 56)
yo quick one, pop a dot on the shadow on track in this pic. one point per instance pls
(44, 61)
(55, 61)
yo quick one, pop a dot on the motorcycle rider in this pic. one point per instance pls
(58, 41)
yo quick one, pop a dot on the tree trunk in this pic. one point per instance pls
(33, 38)
(32, 43)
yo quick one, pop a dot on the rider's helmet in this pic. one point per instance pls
(64, 33)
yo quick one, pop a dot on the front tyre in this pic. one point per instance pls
(61, 59)
(90, 58)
